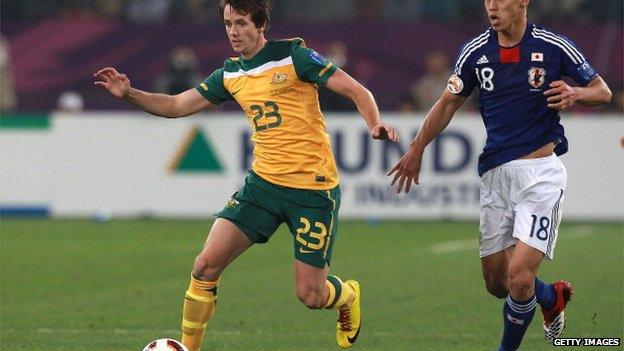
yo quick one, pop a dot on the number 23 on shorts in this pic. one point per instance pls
(319, 232)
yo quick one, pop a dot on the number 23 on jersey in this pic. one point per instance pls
(266, 117)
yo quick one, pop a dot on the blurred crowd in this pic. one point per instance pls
(426, 89)
(204, 11)
(183, 63)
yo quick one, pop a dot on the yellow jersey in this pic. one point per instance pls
(278, 90)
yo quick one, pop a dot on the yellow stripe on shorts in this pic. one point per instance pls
(331, 223)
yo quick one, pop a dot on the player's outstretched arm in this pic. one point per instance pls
(407, 169)
(562, 96)
(343, 84)
(170, 106)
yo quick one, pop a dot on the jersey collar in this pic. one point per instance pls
(258, 59)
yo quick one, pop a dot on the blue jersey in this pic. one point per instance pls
(511, 83)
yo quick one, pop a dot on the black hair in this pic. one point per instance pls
(260, 10)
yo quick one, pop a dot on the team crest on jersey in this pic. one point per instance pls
(455, 85)
(537, 77)
(232, 203)
(279, 78)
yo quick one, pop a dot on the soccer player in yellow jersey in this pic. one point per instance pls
(293, 177)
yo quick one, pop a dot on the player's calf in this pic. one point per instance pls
(495, 273)
(521, 283)
(519, 306)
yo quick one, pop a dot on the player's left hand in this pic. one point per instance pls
(384, 131)
(561, 96)
(406, 171)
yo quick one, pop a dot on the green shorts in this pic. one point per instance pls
(259, 207)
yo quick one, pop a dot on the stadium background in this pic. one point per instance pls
(103, 208)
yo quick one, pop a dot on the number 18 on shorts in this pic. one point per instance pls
(521, 200)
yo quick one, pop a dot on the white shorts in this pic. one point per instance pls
(520, 200)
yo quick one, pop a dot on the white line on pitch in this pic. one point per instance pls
(469, 244)
(454, 246)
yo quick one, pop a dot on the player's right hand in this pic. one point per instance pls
(116, 83)
(407, 170)
(384, 131)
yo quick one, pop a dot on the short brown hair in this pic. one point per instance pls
(260, 10)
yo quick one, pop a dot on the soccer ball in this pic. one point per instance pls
(165, 345)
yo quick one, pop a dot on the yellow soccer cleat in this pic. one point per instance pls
(349, 319)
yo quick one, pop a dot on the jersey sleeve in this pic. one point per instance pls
(464, 79)
(311, 66)
(212, 88)
(574, 64)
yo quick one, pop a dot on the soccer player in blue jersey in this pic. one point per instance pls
(518, 69)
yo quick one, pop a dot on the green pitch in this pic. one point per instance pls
(80, 285)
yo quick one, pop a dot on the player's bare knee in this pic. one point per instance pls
(521, 283)
(206, 269)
